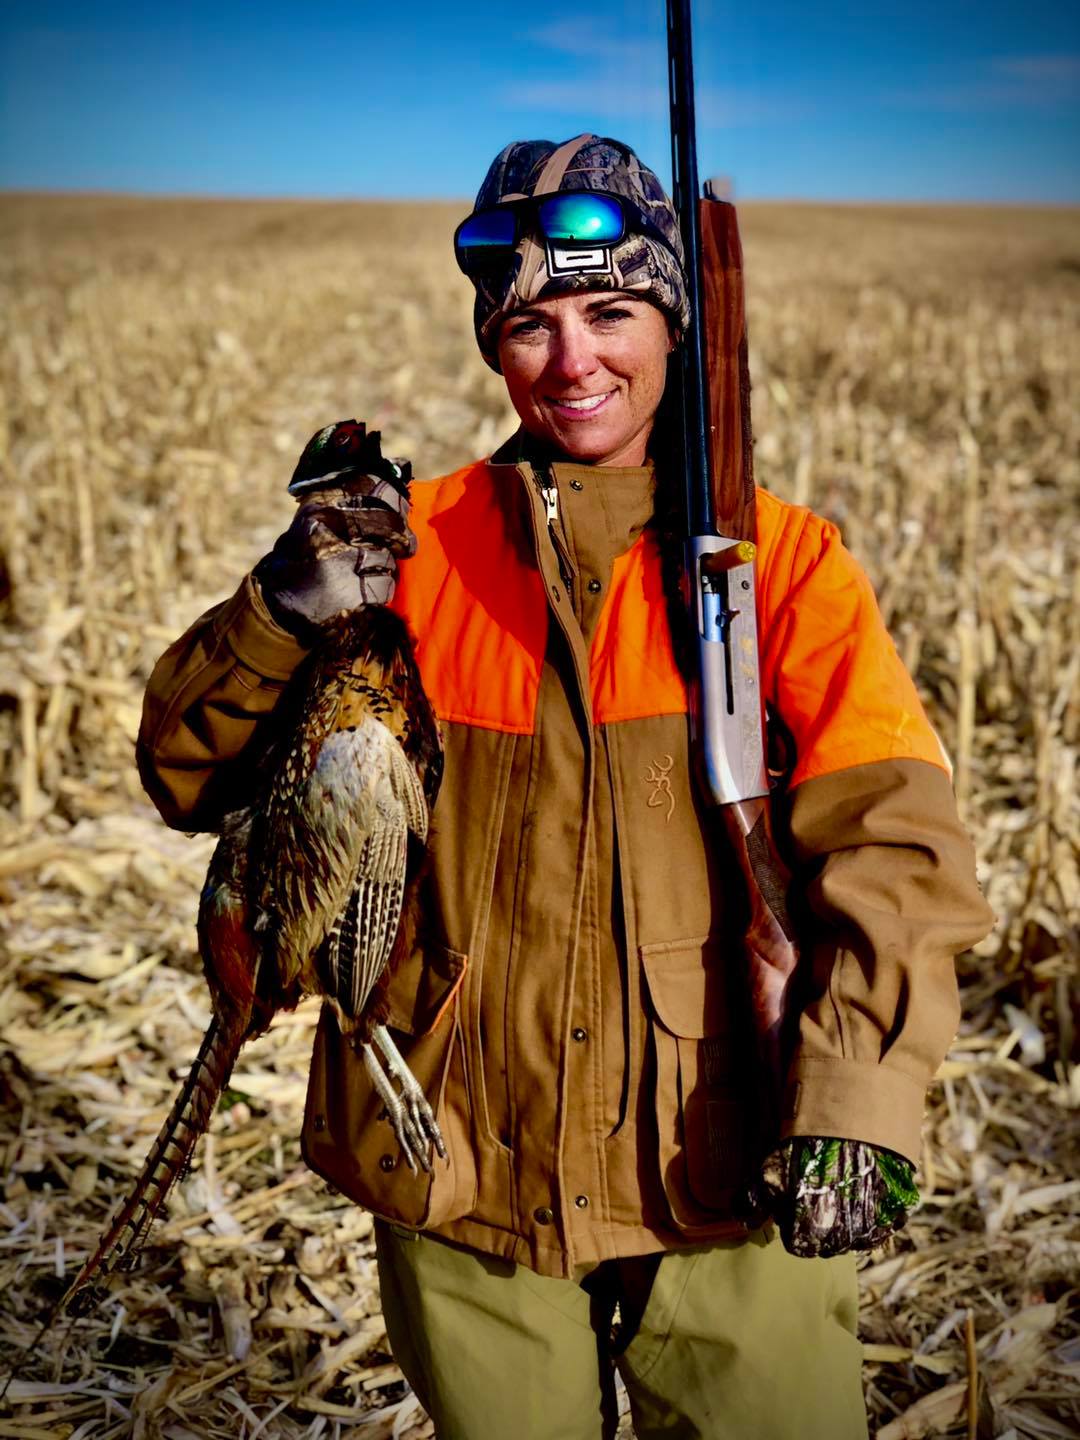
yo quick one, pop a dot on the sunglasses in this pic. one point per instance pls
(586, 218)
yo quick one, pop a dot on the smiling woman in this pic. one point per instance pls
(574, 1003)
(586, 373)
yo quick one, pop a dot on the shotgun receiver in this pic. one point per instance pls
(727, 708)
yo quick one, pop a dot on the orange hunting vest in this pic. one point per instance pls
(476, 604)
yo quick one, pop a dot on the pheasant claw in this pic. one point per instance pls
(421, 1115)
(410, 1137)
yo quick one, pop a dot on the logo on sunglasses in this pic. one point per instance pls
(578, 259)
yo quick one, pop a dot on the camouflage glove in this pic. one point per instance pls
(829, 1196)
(342, 548)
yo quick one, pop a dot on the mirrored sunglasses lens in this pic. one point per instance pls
(582, 217)
(489, 227)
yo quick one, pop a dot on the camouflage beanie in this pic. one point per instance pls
(639, 263)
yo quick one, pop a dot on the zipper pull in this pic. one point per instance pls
(549, 493)
(551, 502)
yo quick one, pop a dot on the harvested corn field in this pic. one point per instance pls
(162, 364)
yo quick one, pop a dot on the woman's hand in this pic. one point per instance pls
(342, 548)
(829, 1196)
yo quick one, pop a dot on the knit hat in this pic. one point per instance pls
(640, 263)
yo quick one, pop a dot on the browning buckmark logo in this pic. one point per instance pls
(657, 775)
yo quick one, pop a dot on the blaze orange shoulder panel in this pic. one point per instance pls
(828, 664)
(475, 602)
(631, 664)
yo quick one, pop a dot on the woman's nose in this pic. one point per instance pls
(573, 354)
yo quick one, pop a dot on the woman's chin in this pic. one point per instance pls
(591, 446)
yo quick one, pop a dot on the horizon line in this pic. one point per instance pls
(218, 197)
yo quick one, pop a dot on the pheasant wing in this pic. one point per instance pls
(335, 870)
(360, 944)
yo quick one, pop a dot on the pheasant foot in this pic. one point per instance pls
(407, 1109)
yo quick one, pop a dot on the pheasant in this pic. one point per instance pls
(307, 890)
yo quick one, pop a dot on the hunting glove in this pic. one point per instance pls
(829, 1196)
(342, 548)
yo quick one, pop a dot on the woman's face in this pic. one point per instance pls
(586, 372)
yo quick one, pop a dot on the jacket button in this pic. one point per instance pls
(386, 1163)
(581, 1201)
(576, 485)
(543, 1216)
(320, 1122)
(579, 1034)
(594, 587)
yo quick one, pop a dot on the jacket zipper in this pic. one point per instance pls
(549, 492)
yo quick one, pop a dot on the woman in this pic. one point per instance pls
(573, 1006)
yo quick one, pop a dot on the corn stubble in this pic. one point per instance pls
(161, 366)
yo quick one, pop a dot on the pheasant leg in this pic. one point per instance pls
(413, 1145)
(412, 1095)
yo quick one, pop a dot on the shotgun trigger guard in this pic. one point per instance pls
(726, 712)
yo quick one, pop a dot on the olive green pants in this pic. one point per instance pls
(720, 1342)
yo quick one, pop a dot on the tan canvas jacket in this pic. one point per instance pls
(573, 1007)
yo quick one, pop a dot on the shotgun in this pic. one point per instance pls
(727, 708)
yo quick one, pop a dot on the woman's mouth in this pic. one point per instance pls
(582, 407)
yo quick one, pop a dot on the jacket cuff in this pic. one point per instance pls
(254, 636)
(855, 1100)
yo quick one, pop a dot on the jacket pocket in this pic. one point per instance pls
(346, 1136)
(699, 1111)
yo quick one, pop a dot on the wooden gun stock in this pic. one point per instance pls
(770, 952)
(727, 368)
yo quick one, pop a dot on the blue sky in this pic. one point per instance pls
(911, 101)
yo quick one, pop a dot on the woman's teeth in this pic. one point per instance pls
(590, 402)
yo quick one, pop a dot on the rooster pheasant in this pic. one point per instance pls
(307, 890)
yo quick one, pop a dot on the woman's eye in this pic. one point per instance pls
(613, 313)
(525, 327)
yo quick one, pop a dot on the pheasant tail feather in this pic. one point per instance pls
(168, 1159)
